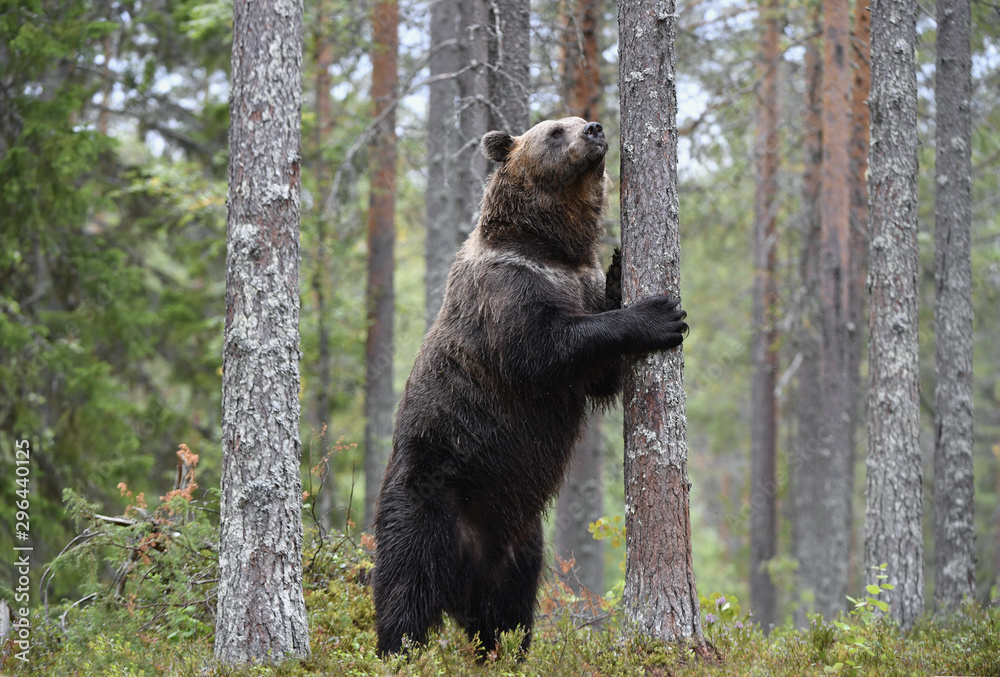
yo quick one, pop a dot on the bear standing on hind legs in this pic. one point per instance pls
(530, 333)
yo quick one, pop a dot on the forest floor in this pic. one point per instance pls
(131, 636)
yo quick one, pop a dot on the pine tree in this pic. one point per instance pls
(379, 398)
(823, 509)
(261, 610)
(954, 534)
(894, 500)
(660, 596)
(764, 433)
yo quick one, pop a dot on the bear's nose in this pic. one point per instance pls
(593, 130)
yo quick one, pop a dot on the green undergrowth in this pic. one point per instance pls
(159, 622)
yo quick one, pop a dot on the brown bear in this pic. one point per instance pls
(530, 333)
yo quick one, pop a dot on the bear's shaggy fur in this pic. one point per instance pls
(529, 331)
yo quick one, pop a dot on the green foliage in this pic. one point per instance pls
(612, 528)
(165, 563)
(864, 617)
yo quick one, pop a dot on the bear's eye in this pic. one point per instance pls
(556, 133)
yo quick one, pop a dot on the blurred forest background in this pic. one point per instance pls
(113, 167)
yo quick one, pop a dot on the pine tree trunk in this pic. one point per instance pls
(581, 500)
(379, 398)
(764, 418)
(893, 530)
(474, 115)
(660, 596)
(510, 52)
(825, 483)
(581, 76)
(444, 204)
(858, 152)
(954, 536)
(808, 410)
(324, 124)
(261, 612)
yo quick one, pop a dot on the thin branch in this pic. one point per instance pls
(62, 619)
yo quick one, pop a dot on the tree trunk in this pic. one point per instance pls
(445, 206)
(581, 76)
(474, 116)
(261, 612)
(954, 535)
(808, 408)
(660, 596)
(893, 532)
(486, 44)
(510, 52)
(379, 398)
(324, 124)
(858, 153)
(764, 420)
(581, 502)
(826, 480)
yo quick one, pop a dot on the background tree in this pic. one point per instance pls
(581, 500)
(479, 81)
(509, 57)
(380, 400)
(764, 417)
(823, 504)
(858, 155)
(808, 400)
(261, 610)
(894, 500)
(112, 264)
(954, 486)
(446, 196)
(580, 84)
(477, 101)
(323, 57)
(660, 595)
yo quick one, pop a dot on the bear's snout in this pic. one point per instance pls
(594, 131)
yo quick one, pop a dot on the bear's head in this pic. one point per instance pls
(550, 187)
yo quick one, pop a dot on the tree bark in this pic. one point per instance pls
(858, 153)
(509, 55)
(660, 596)
(826, 480)
(764, 417)
(446, 207)
(486, 44)
(379, 398)
(954, 534)
(808, 408)
(324, 124)
(474, 114)
(581, 500)
(581, 76)
(261, 611)
(893, 530)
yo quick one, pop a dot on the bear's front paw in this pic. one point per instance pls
(666, 319)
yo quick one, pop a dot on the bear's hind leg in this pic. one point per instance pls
(411, 574)
(510, 602)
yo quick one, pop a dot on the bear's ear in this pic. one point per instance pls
(496, 146)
